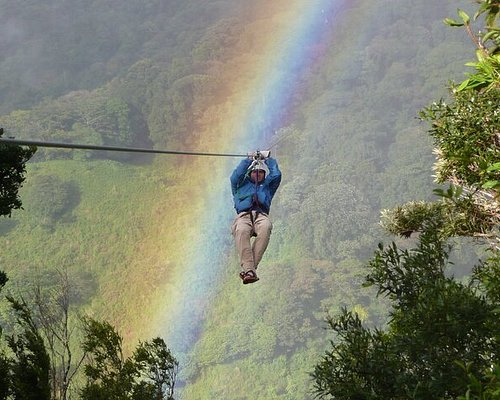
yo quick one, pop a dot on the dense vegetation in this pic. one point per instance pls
(39, 360)
(154, 78)
(53, 48)
(442, 339)
(12, 170)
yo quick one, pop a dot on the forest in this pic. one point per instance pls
(118, 274)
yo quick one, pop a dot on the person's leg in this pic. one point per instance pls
(242, 230)
(262, 227)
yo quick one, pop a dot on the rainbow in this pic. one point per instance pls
(286, 39)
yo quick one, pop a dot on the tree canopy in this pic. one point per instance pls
(441, 340)
(12, 174)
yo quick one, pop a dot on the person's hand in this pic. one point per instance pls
(253, 164)
(259, 154)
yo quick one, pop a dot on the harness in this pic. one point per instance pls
(255, 207)
(252, 218)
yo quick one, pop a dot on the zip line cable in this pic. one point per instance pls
(111, 148)
(279, 141)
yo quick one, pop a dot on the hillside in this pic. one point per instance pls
(146, 239)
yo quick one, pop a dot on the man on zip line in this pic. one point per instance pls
(253, 184)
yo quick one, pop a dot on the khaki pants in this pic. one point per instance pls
(243, 229)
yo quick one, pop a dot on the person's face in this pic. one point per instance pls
(257, 175)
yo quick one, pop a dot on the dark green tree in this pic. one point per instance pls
(148, 375)
(26, 375)
(158, 369)
(30, 366)
(109, 375)
(486, 387)
(12, 174)
(4, 377)
(4, 361)
(434, 323)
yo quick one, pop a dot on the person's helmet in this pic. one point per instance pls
(261, 165)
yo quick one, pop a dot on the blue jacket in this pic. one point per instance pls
(244, 189)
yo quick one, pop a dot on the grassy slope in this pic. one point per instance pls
(101, 236)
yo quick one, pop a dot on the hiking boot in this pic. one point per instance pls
(249, 277)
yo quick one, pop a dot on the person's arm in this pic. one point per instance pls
(239, 174)
(274, 177)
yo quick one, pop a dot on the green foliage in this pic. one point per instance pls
(27, 372)
(488, 273)
(12, 170)
(97, 117)
(30, 366)
(359, 366)
(217, 40)
(4, 376)
(434, 322)
(465, 132)
(487, 387)
(487, 42)
(465, 135)
(3, 280)
(53, 48)
(50, 198)
(109, 376)
(148, 375)
(411, 217)
(4, 361)
(97, 229)
(159, 368)
(454, 215)
(487, 75)
(351, 217)
(463, 15)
